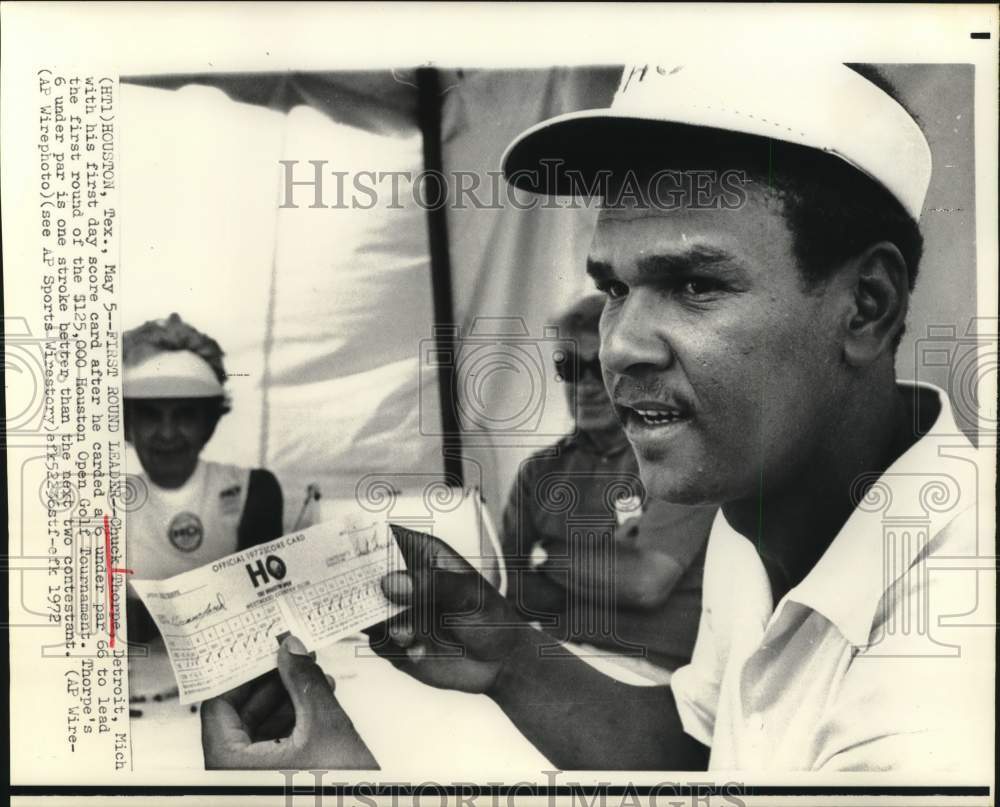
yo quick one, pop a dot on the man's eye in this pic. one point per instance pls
(698, 286)
(614, 289)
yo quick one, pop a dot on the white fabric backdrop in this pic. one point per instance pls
(318, 310)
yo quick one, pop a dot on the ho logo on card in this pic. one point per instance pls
(264, 571)
(185, 532)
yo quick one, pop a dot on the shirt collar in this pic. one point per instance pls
(881, 539)
(915, 495)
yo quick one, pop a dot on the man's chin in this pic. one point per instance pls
(676, 486)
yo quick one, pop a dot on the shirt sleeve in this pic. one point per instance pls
(530, 592)
(517, 537)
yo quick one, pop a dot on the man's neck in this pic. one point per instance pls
(792, 526)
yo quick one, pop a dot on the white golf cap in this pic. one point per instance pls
(827, 107)
(172, 374)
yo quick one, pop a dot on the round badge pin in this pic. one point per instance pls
(185, 532)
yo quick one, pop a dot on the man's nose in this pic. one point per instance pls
(633, 336)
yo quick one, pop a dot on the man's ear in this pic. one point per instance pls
(881, 297)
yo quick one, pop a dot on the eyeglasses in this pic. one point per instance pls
(571, 368)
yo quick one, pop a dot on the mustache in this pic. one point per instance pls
(626, 390)
(631, 389)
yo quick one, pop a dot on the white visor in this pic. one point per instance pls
(172, 374)
(827, 107)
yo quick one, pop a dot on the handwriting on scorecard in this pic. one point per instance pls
(222, 622)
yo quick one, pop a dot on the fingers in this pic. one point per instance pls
(238, 696)
(222, 732)
(398, 630)
(383, 646)
(268, 711)
(402, 633)
(391, 640)
(311, 694)
(323, 735)
(398, 587)
(415, 647)
(278, 724)
(232, 722)
(445, 607)
(459, 591)
(438, 580)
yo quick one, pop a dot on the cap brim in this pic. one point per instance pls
(565, 155)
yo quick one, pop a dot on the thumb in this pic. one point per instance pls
(477, 615)
(423, 552)
(309, 688)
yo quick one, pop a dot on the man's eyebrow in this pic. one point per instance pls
(655, 267)
(693, 258)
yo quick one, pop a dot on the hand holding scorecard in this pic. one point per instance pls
(223, 622)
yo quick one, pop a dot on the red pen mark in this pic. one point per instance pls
(112, 570)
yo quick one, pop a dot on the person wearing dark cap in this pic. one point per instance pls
(589, 556)
(749, 349)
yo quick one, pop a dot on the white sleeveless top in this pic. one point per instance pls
(174, 531)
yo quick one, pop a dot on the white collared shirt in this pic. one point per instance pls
(878, 659)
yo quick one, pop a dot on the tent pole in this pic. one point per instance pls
(445, 328)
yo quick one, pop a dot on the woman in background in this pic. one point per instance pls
(192, 511)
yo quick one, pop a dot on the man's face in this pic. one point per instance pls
(587, 397)
(168, 435)
(722, 367)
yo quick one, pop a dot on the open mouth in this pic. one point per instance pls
(644, 415)
(656, 417)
